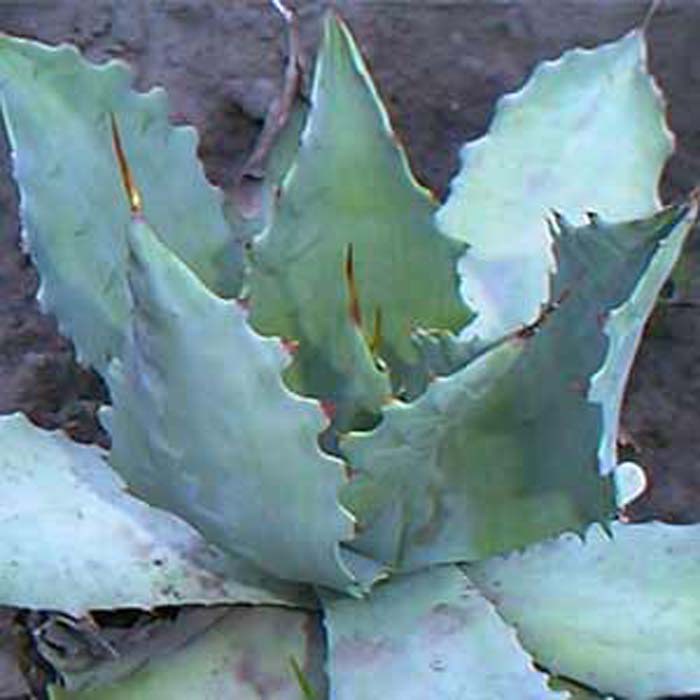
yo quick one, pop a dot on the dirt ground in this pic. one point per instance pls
(440, 66)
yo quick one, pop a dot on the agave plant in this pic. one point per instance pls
(363, 444)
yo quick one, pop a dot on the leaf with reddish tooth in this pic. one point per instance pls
(360, 392)
(290, 346)
(351, 184)
(73, 214)
(204, 427)
(93, 546)
(145, 253)
(617, 611)
(171, 312)
(586, 132)
(328, 408)
(506, 451)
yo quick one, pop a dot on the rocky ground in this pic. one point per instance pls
(440, 66)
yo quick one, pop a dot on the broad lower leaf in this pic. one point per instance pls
(204, 427)
(426, 635)
(245, 655)
(57, 108)
(619, 614)
(586, 133)
(504, 452)
(351, 185)
(73, 540)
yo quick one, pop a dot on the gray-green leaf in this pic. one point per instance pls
(586, 133)
(73, 540)
(619, 614)
(426, 635)
(204, 427)
(57, 109)
(624, 328)
(504, 452)
(351, 184)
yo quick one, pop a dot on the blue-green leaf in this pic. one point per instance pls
(586, 133)
(73, 540)
(57, 109)
(619, 614)
(351, 185)
(426, 635)
(505, 451)
(204, 427)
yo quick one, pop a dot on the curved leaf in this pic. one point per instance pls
(351, 184)
(624, 327)
(586, 133)
(619, 614)
(426, 635)
(204, 427)
(504, 452)
(73, 540)
(73, 210)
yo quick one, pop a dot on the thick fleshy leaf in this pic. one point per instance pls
(204, 427)
(426, 635)
(73, 209)
(624, 328)
(586, 133)
(504, 452)
(245, 655)
(73, 540)
(619, 614)
(351, 184)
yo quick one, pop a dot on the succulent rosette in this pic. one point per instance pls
(363, 443)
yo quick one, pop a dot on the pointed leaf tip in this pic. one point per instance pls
(388, 220)
(570, 116)
(132, 193)
(75, 222)
(175, 443)
(375, 339)
(351, 285)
